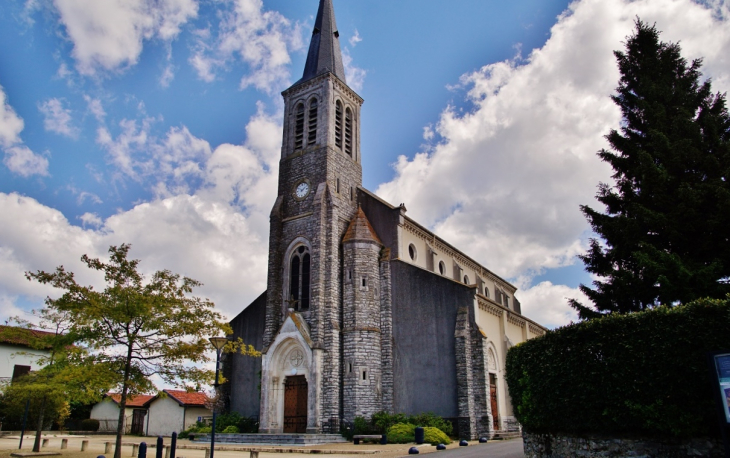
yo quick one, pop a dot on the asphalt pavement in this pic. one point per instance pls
(494, 449)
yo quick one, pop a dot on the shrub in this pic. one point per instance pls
(248, 425)
(429, 419)
(644, 373)
(382, 421)
(230, 430)
(435, 436)
(89, 425)
(401, 433)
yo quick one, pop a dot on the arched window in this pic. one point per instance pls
(466, 279)
(312, 138)
(299, 276)
(442, 267)
(348, 132)
(338, 124)
(299, 128)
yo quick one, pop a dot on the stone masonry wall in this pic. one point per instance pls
(553, 446)
(362, 393)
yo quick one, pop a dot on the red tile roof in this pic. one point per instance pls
(134, 400)
(14, 335)
(186, 398)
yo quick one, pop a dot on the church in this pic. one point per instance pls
(365, 310)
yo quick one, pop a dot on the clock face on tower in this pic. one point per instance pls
(302, 190)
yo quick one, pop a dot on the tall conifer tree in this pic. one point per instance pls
(665, 233)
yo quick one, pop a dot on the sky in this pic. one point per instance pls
(158, 123)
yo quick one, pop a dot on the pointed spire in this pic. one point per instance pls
(324, 49)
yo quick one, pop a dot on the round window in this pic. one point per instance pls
(412, 252)
(442, 268)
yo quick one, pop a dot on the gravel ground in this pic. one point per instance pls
(9, 444)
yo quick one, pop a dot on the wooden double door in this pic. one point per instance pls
(295, 404)
(493, 400)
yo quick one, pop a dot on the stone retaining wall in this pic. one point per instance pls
(553, 446)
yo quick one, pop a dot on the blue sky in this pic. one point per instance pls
(157, 123)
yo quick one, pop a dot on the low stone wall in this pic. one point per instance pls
(553, 446)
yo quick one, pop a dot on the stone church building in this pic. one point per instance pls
(365, 309)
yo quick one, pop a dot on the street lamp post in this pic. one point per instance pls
(218, 343)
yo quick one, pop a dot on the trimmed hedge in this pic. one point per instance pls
(644, 373)
(89, 424)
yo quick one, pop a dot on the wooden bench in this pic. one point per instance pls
(356, 438)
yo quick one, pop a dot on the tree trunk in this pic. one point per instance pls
(39, 426)
(123, 404)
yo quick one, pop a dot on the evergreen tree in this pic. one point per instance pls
(666, 227)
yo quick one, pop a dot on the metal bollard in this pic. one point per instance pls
(135, 449)
(173, 445)
(158, 451)
(84, 445)
(108, 447)
(44, 443)
(64, 444)
(142, 450)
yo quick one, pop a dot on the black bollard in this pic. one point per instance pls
(441, 447)
(419, 435)
(383, 440)
(173, 444)
(413, 451)
(483, 440)
(160, 447)
(142, 450)
(101, 456)
(463, 443)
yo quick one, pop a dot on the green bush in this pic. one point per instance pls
(381, 422)
(230, 430)
(89, 425)
(435, 436)
(401, 433)
(644, 373)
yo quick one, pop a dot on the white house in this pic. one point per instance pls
(16, 356)
(175, 411)
(107, 412)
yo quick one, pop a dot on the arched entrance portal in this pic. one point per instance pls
(295, 404)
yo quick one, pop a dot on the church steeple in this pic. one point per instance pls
(324, 49)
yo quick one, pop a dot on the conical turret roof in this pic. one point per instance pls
(360, 229)
(324, 49)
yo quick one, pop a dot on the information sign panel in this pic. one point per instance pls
(722, 368)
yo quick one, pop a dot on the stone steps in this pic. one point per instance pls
(506, 435)
(272, 439)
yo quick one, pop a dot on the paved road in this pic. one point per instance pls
(495, 449)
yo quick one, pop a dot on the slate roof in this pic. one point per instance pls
(186, 398)
(324, 49)
(137, 400)
(360, 229)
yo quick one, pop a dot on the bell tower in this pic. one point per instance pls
(319, 173)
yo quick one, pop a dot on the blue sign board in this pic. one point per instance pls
(722, 367)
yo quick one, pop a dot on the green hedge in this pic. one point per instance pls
(644, 373)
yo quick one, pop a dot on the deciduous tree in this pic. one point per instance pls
(138, 328)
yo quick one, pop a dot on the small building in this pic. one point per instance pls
(107, 412)
(17, 357)
(175, 411)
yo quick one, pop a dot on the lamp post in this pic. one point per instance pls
(218, 343)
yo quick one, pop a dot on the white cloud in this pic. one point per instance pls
(216, 233)
(57, 118)
(355, 39)
(354, 75)
(11, 125)
(260, 39)
(504, 180)
(95, 107)
(167, 76)
(18, 157)
(547, 303)
(109, 35)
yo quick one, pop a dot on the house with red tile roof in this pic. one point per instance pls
(17, 356)
(135, 413)
(175, 411)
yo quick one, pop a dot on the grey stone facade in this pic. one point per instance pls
(368, 328)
